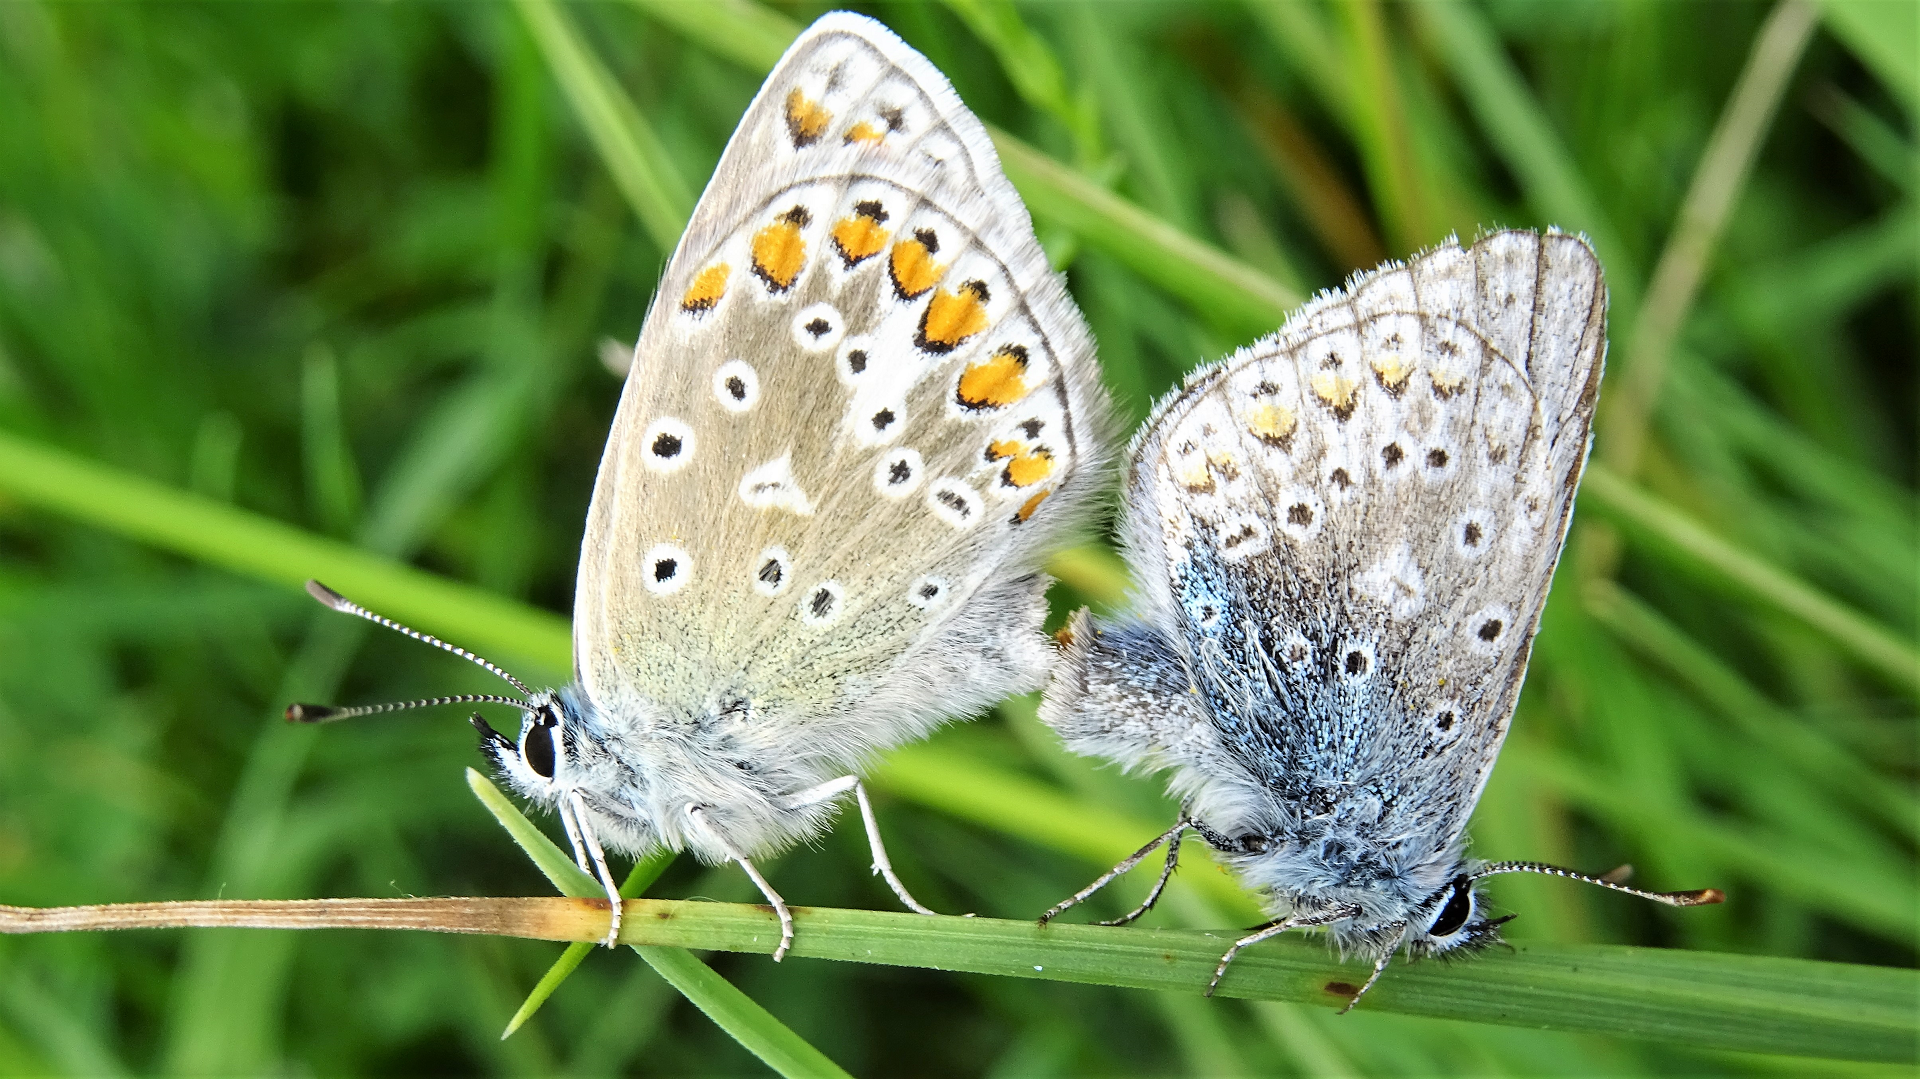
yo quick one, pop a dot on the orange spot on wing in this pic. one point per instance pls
(952, 317)
(860, 236)
(1032, 505)
(1029, 468)
(998, 380)
(1002, 448)
(806, 119)
(912, 265)
(779, 252)
(865, 132)
(708, 286)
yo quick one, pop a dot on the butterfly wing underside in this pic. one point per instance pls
(1349, 528)
(861, 408)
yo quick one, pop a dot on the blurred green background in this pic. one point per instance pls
(353, 267)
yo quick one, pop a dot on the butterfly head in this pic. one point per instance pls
(554, 751)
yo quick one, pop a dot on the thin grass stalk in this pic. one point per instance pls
(1745, 1003)
(1717, 182)
(1879, 649)
(627, 144)
(731, 1010)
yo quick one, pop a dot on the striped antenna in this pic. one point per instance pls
(346, 606)
(322, 713)
(1699, 898)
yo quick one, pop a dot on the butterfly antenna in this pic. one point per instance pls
(321, 713)
(346, 606)
(1699, 898)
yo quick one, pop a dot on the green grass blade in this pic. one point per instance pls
(1760, 721)
(1208, 279)
(642, 876)
(1378, 124)
(750, 34)
(1526, 140)
(257, 546)
(558, 867)
(626, 143)
(1883, 36)
(1717, 182)
(1707, 1000)
(737, 1014)
(1031, 66)
(1875, 646)
(733, 1011)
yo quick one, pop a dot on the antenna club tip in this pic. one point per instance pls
(325, 595)
(1705, 897)
(310, 713)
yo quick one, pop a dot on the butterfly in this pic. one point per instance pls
(1343, 537)
(861, 411)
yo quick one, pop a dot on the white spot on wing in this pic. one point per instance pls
(667, 445)
(823, 604)
(897, 473)
(818, 327)
(772, 486)
(927, 592)
(736, 385)
(1243, 536)
(954, 502)
(772, 571)
(665, 569)
(1396, 583)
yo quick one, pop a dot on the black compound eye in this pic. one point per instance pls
(538, 749)
(1455, 914)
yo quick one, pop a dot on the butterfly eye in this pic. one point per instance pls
(537, 748)
(1455, 914)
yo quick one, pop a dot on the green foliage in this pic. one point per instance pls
(350, 269)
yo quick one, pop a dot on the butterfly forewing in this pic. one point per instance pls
(1358, 520)
(860, 408)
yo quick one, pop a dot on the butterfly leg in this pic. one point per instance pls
(1271, 929)
(573, 817)
(881, 863)
(1171, 836)
(1379, 967)
(573, 835)
(1274, 929)
(1166, 874)
(698, 815)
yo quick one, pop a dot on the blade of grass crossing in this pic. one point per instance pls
(733, 1011)
(639, 879)
(1379, 125)
(1717, 182)
(626, 142)
(1526, 140)
(1882, 35)
(256, 546)
(1658, 640)
(1873, 645)
(748, 33)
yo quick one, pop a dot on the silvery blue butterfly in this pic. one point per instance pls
(1342, 538)
(861, 411)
